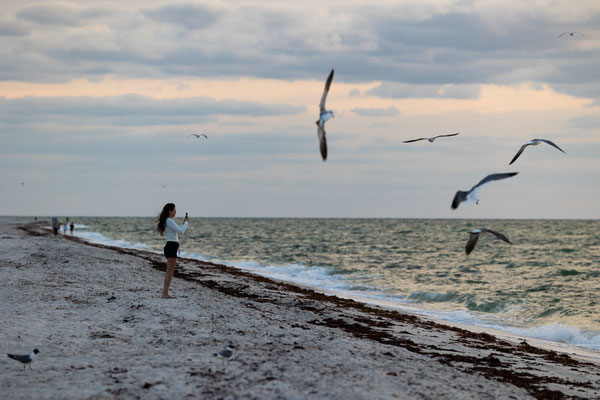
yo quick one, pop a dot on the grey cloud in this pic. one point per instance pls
(376, 112)
(355, 93)
(109, 142)
(133, 109)
(401, 90)
(585, 122)
(51, 14)
(97, 12)
(13, 28)
(190, 16)
(411, 45)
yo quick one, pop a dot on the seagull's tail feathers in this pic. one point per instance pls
(21, 358)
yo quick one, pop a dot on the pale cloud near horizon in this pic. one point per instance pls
(110, 91)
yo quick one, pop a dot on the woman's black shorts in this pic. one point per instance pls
(171, 249)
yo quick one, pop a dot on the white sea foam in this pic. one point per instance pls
(325, 279)
(563, 334)
(98, 238)
(296, 273)
(560, 333)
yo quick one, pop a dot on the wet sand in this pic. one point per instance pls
(103, 332)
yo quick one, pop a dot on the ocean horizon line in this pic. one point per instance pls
(309, 218)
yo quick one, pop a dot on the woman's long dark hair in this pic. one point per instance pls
(161, 220)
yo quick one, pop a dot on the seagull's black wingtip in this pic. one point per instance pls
(455, 202)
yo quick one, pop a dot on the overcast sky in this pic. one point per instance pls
(98, 98)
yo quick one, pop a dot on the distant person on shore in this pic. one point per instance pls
(72, 227)
(65, 228)
(55, 225)
(165, 225)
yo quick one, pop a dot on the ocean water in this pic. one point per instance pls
(546, 285)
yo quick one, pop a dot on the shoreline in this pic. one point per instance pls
(306, 343)
(588, 353)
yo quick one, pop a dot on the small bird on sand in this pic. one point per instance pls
(225, 354)
(571, 34)
(533, 142)
(472, 196)
(25, 359)
(474, 236)
(430, 139)
(198, 136)
(324, 116)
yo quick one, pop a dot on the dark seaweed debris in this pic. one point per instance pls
(375, 324)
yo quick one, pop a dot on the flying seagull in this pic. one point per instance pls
(472, 196)
(225, 354)
(430, 139)
(571, 34)
(25, 359)
(474, 236)
(324, 116)
(533, 142)
(198, 135)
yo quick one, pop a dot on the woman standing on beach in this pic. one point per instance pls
(168, 227)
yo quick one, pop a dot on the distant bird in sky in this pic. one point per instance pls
(474, 236)
(571, 34)
(324, 116)
(225, 354)
(198, 135)
(472, 196)
(163, 186)
(25, 359)
(431, 139)
(22, 183)
(533, 142)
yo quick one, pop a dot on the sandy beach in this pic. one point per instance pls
(103, 332)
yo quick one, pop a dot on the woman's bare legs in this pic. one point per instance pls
(168, 275)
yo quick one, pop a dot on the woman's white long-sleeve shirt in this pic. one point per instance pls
(172, 230)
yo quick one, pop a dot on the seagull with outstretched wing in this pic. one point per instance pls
(572, 34)
(534, 142)
(477, 233)
(431, 139)
(198, 136)
(472, 196)
(324, 116)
